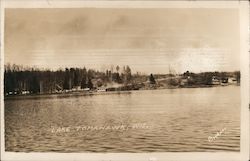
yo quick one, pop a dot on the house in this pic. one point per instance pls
(232, 80)
(25, 92)
(76, 88)
(224, 80)
(184, 82)
(86, 89)
(186, 79)
(215, 80)
(101, 89)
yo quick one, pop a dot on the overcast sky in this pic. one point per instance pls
(148, 40)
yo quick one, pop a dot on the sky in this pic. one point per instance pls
(148, 40)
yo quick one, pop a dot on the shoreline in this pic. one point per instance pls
(62, 95)
(91, 93)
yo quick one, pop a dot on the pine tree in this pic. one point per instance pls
(90, 84)
(152, 79)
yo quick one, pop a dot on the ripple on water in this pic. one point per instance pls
(179, 120)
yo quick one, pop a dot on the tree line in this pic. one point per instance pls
(18, 78)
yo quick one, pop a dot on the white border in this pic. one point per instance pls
(244, 57)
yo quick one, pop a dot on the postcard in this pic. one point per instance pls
(125, 80)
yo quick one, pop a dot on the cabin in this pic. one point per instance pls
(86, 89)
(232, 80)
(101, 89)
(215, 80)
(76, 88)
(25, 92)
(184, 82)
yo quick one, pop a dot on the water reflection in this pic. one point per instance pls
(179, 120)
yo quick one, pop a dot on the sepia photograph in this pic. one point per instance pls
(111, 79)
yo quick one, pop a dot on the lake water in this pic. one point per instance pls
(168, 120)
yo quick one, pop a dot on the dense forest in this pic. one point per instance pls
(35, 80)
(31, 80)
